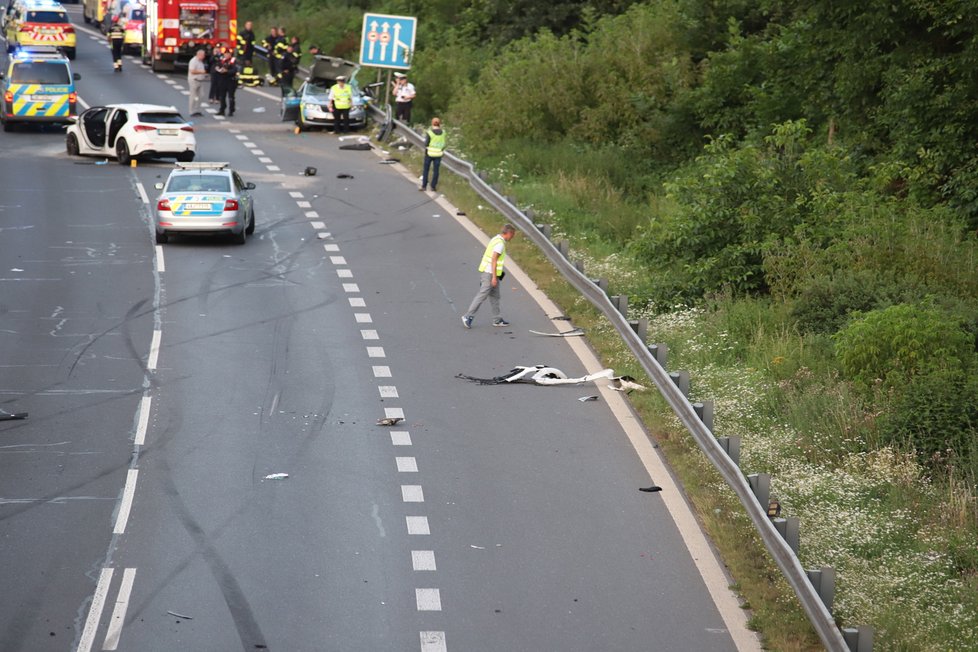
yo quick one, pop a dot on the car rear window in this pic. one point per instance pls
(137, 14)
(46, 17)
(160, 118)
(199, 183)
(40, 72)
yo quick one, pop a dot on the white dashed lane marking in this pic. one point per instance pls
(388, 391)
(144, 406)
(303, 204)
(423, 560)
(344, 273)
(119, 613)
(351, 287)
(126, 505)
(272, 168)
(412, 493)
(331, 247)
(257, 152)
(375, 352)
(406, 464)
(400, 438)
(428, 599)
(394, 413)
(312, 214)
(295, 194)
(369, 335)
(382, 372)
(264, 159)
(417, 525)
(433, 642)
(357, 302)
(364, 318)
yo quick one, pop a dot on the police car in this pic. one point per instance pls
(205, 199)
(309, 106)
(38, 86)
(39, 23)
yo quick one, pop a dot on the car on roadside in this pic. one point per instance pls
(205, 199)
(308, 107)
(37, 87)
(128, 131)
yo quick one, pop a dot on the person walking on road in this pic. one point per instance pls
(434, 144)
(117, 37)
(340, 101)
(491, 269)
(196, 74)
(404, 93)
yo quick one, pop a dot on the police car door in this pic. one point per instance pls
(94, 129)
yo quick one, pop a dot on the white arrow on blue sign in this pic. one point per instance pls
(387, 41)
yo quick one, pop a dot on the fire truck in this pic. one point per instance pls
(176, 29)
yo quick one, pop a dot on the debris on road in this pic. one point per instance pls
(258, 109)
(175, 614)
(15, 416)
(360, 147)
(538, 375)
(309, 171)
(344, 176)
(585, 399)
(389, 421)
(276, 476)
(575, 332)
(390, 161)
(651, 489)
(625, 384)
(560, 318)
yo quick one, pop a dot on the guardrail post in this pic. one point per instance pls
(529, 214)
(789, 530)
(563, 247)
(482, 175)
(640, 326)
(681, 378)
(660, 352)
(545, 229)
(704, 411)
(760, 484)
(823, 579)
(858, 639)
(620, 302)
(602, 284)
(731, 446)
(579, 266)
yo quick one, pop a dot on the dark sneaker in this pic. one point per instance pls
(466, 321)
(500, 322)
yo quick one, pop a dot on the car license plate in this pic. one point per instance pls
(167, 132)
(197, 206)
(38, 98)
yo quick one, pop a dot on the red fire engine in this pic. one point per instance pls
(176, 29)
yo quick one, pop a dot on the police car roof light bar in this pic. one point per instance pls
(203, 166)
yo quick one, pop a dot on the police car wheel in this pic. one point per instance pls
(122, 152)
(8, 126)
(71, 144)
(251, 225)
(162, 238)
(240, 238)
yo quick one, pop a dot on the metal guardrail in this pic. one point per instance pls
(813, 588)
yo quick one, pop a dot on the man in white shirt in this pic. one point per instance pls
(196, 76)
(403, 97)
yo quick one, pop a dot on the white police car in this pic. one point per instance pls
(205, 199)
(38, 87)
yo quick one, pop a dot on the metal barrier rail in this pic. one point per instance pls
(815, 600)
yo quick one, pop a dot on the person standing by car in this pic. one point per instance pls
(286, 74)
(216, 57)
(117, 37)
(434, 143)
(404, 93)
(491, 269)
(196, 73)
(340, 101)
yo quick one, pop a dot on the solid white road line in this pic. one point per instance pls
(428, 599)
(142, 192)
(126, 504)
(400, 438)
(154, 351)
(417, 525)
(144, 407)
(423, 560)
(412, 493)
(95, 611)
(119, 613)
(406, 464)
(160, 265)
(433, 642)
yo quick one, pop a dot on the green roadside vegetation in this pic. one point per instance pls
(789, 193)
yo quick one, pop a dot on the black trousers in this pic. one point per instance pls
(116, 49)
(430, 162)
(226, 88)
(341, 120)
(403, 111)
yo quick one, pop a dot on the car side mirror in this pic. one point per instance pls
(76, 76)
(158, 186)
(250, 186)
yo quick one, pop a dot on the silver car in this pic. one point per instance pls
(205, 199)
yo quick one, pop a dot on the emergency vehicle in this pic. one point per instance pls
(176, 29)
(133, 20)
(38, 86)
(39, 22)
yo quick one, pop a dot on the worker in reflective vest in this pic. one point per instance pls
(248, 77)
(491, 270)
(340, 101)
(434, 149)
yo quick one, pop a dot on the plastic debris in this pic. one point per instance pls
(538, 375)
(571, 333)
(651, 489)
(105, 162)
(15, 416)
(309, 171)
(344, 176)
(258, 109)
(585, 399)
(276, 476)
(175, 614)
(358, 147)
(389, 421)
(390, 161)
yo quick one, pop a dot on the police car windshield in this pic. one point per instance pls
(46, 17)
(318, 87)
(161, 118)
(40, 72)
(199, 183)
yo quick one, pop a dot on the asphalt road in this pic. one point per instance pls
(166, 384)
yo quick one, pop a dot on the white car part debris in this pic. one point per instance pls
(571, 333)
(276, 476)
(539, 375)
(585, 399)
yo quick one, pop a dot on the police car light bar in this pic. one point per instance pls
(203, 166)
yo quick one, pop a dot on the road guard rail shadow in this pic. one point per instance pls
(815, 588)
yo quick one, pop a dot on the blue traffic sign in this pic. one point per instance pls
(387, 41)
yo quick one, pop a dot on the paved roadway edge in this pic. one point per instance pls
(701, 551)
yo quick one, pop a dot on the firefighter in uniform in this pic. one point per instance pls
(247, 76)
(287, 66)
(117, 37)
(245, 49)
(269, 43)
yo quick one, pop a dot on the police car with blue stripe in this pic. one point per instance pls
(205, 199)
(38, 86)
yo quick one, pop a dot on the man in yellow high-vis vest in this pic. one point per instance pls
(434, 149)
(492, 272)
(340, 101)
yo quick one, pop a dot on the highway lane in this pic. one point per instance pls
(493, 518)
